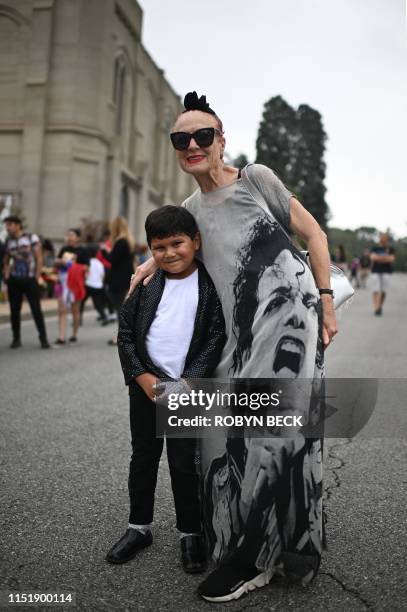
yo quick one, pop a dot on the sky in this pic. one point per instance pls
(346, 58)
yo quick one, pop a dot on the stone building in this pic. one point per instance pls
(84, 115)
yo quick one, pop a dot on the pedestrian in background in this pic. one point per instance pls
(382, 257)
(72, 263)
(48, 274)
(121, 259)
(2, 253)
(22, 271)
(354, 270)
(106, 245)
(364, 267)
(339, 258)
(94, 284)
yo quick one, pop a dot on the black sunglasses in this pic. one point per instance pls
(203, 138)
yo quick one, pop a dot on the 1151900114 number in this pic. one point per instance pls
(50, 597)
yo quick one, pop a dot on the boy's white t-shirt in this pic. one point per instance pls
(96, 274)
(170, 334)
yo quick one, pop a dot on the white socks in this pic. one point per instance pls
(146, 528)
(183, 535)
(143, 528)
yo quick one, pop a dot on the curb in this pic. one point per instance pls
(26, 316)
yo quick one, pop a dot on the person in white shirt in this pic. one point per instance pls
(171, 328)
(94, 284)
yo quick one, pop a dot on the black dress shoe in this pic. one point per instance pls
(193, 552)
(15, 344)
(129, 545)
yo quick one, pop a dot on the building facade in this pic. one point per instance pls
(84, 116)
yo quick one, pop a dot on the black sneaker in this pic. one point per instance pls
(228, 582)
(15, 344)
(45, 344)
(59, 342)
(73, 339)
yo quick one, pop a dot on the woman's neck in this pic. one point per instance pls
(217, 177)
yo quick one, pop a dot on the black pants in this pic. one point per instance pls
(108, 299)
(117, 297)
(144, 463)
(17, 289)
(98, 298)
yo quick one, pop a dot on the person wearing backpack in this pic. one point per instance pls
(21, 271)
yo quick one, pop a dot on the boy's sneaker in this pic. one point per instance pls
(193, 553)
(228, 582)
(129, 545)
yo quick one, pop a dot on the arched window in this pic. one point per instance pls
(124, 202)
(119, 91)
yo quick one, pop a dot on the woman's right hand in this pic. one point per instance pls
(144, 272)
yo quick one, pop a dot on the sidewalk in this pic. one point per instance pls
(49, 308)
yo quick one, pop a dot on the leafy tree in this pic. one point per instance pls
(292, 143)
(367, 232)
(241, 161)
(277, 137)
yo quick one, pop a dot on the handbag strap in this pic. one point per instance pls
(260, 200)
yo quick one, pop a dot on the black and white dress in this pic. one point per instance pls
(262, 496)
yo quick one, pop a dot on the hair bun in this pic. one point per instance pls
(192, 102)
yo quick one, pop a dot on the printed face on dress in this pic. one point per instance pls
(199, 160)
(176, 254)
(286, 320)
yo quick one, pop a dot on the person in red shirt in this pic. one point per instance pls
(72, 263)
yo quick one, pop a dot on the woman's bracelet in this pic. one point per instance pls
(326, 291)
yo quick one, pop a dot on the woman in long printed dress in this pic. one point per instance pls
(262, 496)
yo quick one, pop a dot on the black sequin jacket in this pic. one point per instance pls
(137, 315)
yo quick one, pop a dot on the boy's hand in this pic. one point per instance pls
(164, 388)
(146, 382)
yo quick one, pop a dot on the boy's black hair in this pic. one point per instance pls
(169, 221)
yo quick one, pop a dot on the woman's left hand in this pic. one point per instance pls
(330, 328)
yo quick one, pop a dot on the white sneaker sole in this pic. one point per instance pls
(259, 581)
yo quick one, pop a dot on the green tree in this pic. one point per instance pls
(292, 143)
(276, 138)
(241, 161)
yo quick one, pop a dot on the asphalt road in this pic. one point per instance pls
(64, 445)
